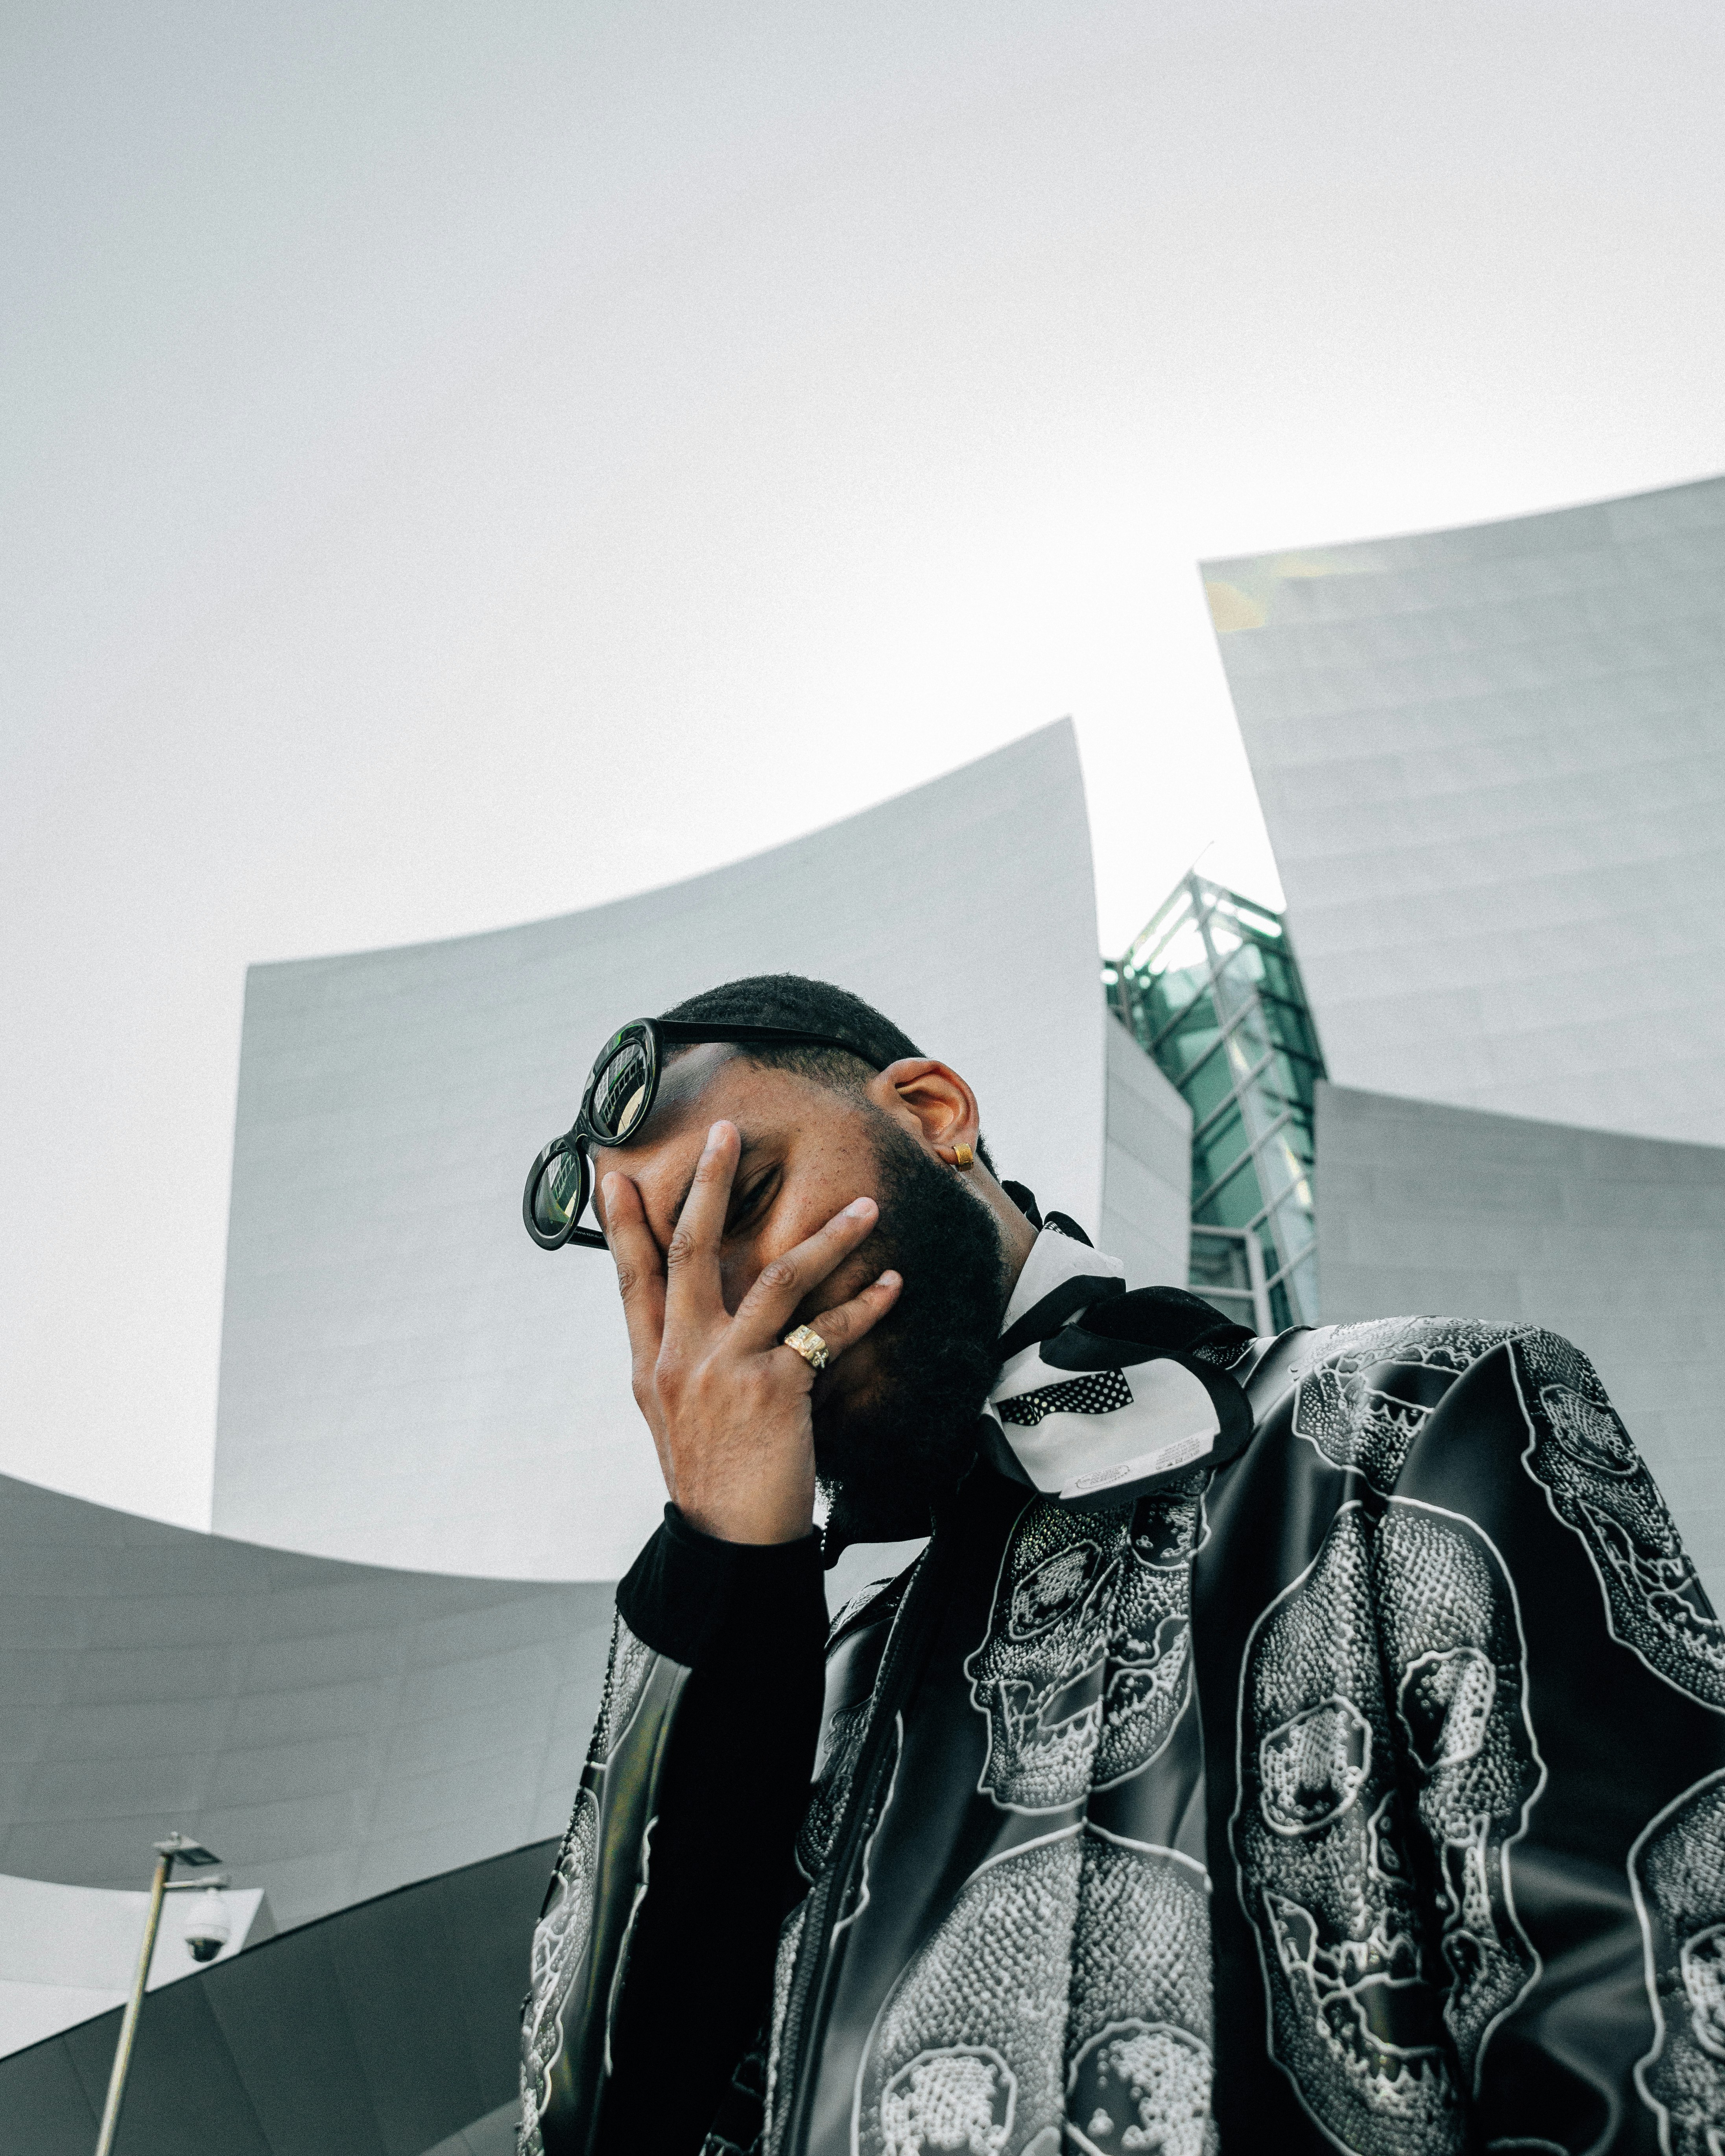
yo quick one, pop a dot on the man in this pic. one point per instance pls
(1280, 1745)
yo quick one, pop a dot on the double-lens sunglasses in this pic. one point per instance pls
(618, 1099)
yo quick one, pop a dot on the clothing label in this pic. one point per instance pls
(1146, 1464)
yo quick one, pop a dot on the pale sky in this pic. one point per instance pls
(465, 462)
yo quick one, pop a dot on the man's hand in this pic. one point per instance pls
(727, 1404)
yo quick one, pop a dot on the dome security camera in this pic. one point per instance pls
(208, 1928)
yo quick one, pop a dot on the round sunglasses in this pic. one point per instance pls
(621, 1089)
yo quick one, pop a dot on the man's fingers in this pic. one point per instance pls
(640, 1276)
(691, 1257)
(766, 1310)
(844, 1325)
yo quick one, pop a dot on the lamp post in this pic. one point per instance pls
(177, 1848)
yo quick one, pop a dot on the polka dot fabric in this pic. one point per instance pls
(1102, 1392)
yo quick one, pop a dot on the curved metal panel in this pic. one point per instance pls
(1493, 769)
(405, 1379)
(330, 1730)
(388, 2029)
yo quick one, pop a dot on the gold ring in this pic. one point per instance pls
(805, 1341)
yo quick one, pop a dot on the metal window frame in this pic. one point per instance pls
(1258, 1283)
(1197, 903)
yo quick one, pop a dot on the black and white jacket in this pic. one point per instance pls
(1302, 1744)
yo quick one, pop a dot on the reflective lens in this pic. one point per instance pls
(558, 1196)
(619, 1093)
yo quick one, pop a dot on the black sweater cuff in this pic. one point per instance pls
(693, 1598)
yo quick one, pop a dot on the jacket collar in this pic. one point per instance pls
(1065, 1417)
(1062, 1274)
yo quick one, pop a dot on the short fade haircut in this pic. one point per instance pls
(800, 1005)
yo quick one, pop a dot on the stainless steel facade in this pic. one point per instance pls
(1147, 1181)
(330, 1730)
(405, 1379)
(1492, 763)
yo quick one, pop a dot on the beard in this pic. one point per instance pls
(883, 1459)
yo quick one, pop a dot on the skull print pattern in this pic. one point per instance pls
(1364, 1401)
(1382, 1698)
(559, 1942)
(1087, 1666)
(1063, 2003)
(1438, 1688)
(1678, 1868)
(1598, 1483)
(565, 1925)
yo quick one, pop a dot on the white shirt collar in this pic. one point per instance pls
(1054, 1260)
(1088, 1435)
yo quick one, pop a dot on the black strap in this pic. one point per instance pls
(1160, 1321)
(1046, 1316)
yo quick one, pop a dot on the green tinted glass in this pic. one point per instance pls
(619, 1093)
(558, 1199)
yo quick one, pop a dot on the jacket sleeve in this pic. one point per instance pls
(652, 1956)
(1557, 1678)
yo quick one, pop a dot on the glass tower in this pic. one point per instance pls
(1211, 991)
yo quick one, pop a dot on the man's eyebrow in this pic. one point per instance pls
(749, 1146)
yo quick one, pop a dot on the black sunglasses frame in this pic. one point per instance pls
(655, 1036)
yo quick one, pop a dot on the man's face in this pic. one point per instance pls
(894, 1418)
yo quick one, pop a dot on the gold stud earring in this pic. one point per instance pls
(964, 1159)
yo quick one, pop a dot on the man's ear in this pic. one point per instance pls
(930, 1099)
